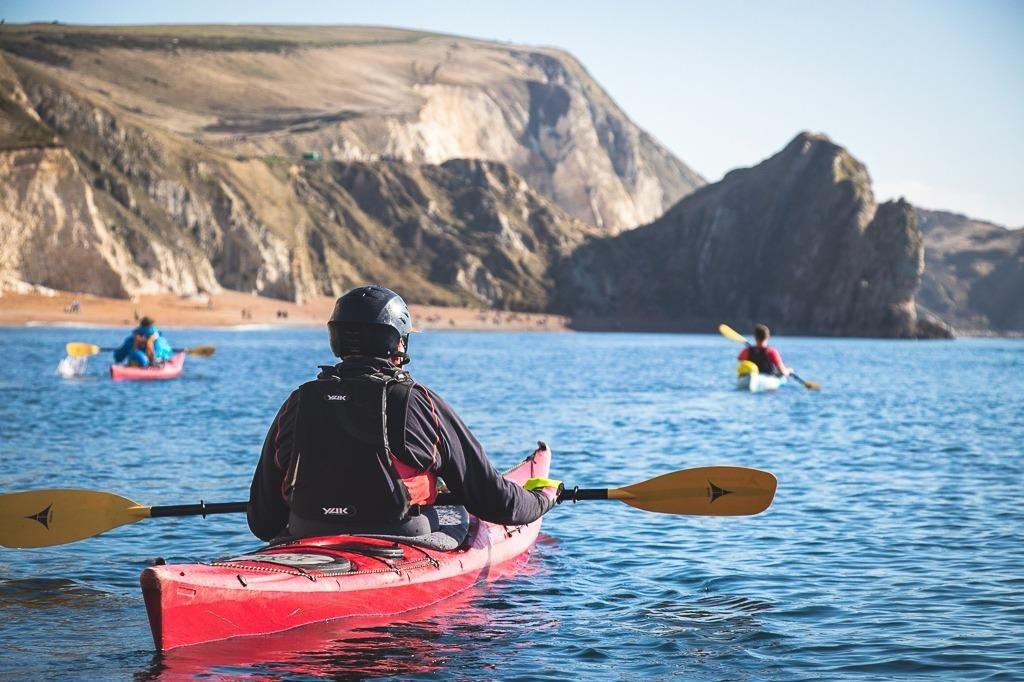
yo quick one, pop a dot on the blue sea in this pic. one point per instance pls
(894, 548)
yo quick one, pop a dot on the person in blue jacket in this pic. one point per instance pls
(145, 346)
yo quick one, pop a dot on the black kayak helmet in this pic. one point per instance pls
(369, 320)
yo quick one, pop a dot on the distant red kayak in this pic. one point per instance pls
(326, 578)
(168, 370)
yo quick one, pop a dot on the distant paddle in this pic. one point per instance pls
(810, 385)
(76, 349)
(730, 333)
(41, 518)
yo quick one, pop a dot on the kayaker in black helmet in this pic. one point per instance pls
(766, 358)
(361, 448)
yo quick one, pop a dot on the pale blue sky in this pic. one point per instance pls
(929, 94)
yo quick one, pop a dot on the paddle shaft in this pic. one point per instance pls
(206, 508)
(577, 494)
(797, 377)
(202, 509)
(792, 374)
(77, 349)
(574, 495)
(173, 350)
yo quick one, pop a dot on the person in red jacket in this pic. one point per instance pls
(361, 449)
(766, 358)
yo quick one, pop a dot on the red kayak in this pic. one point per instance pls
(326, 578)
(168, 370)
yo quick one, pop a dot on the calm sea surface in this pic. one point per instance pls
(894, 548)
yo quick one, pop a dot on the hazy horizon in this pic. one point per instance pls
(929, 95)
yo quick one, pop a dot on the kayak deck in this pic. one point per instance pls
(169, 370)
(325, 578)
(756, 383)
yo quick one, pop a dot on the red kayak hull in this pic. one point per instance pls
(353, 645)
(169, 370)
(193, 603)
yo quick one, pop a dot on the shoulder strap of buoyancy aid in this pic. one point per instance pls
(396, 408)
(398, 382)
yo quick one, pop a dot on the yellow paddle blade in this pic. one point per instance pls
(77, 349)
(201, 350)
(40, 518)
(730, 333)
(704, 491)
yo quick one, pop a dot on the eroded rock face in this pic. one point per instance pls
(176, 216)
(75, 249)
(191, 151)
(974, 273)
(363, 94)
(183, 223)
(796, 241)
(465, 232)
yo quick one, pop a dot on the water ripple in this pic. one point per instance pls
(893, 548)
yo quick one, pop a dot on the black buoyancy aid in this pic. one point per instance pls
(344, 469)
(759, 356)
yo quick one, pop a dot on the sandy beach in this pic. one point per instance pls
(232, 309)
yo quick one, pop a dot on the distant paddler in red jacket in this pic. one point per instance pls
(766, 358)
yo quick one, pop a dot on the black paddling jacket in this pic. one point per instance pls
(362, 443)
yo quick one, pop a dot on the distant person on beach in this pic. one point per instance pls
(373, 443)
(766, 358)
(145, 346)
